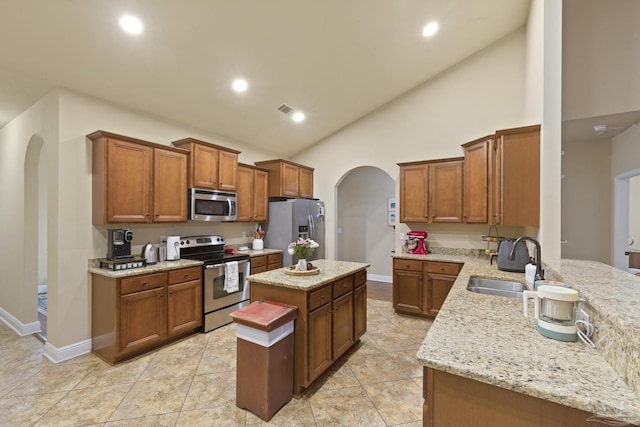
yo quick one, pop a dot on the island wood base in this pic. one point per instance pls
(451, 400)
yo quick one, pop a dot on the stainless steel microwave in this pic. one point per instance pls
(211, 205)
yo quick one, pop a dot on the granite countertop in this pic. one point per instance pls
(155, 268)
(329, 271)
(486, 338)
(266, 251)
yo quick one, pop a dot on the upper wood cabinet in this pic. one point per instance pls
(431, 191)
(476, 180)
(515, 177)
(288, 179)
(137, 181)
(253, 200)
(210, 166)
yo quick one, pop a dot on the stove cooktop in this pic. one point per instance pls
(209, 249)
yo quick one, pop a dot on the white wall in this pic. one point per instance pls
(600, 46)
(363, 233)
(470, 100)
(587, 200)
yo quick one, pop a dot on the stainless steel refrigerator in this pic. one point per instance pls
(291, 219)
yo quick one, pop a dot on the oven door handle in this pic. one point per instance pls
(223, 264)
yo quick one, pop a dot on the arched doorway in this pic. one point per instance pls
(363, 230)
(35, 229)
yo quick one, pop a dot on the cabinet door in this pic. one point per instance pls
(359, 311)
(342, 324)
(169, 186)
(260, 196)
(476, 182)
(245, 194)
(227, 170)
(306, 183)
(319, 341)
(437, 288)
(407, 291)
(204, 167)
(413, 193)
(128, 182)
(274, 261)
(142, 319)
(520, 176)
(290, 180)
(184, 308)
(445, 192)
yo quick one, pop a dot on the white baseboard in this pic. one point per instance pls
(22, 329)
(380, 278)
(57, 355)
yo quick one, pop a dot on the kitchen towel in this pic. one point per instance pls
(231, 283)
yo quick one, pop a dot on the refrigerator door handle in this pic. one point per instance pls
(312, 228)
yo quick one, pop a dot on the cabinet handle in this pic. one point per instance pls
(157, 214)
(441, 268)
(170, 292)
(322, 297)
(148, 214)
(144, 283)
(161, 295)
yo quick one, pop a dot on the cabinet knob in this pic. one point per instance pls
(157, 214)
(170, 292)
(148, 214)
(161, 295)
(321, 296)
(144, 283)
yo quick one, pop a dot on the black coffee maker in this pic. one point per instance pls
(119, 244)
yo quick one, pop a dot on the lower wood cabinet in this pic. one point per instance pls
(330, 321)
(137, 314)
(451, 400)
(420, 287)
(262, 263)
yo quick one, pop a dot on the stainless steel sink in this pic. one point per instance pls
(503, 288)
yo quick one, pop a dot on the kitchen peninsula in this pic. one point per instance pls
(332, 313)
(484, 360)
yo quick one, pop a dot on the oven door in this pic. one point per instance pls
(215, 296)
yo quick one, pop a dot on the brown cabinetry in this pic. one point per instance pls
(420, 287)
(330, 320)
(431, 191)
(288, 179)
(137, 181)
(253, 199)
(262, 263)
(210, 166)
(515, 177)
(476, 181)
(136, 314)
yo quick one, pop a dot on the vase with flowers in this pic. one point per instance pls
(302, 249)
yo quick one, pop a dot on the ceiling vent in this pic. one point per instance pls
(285, 109)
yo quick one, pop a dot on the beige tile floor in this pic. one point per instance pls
(192, 383)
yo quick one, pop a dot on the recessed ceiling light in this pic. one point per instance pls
(131, 24)
(240, 85)
(298, 116)
(430, 29)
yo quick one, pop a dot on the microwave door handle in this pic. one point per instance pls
(230, 206)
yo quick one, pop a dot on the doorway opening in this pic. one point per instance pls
(626, 186)
(363, 233)
(35, 228)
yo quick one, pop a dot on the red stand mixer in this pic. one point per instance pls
(416, 242)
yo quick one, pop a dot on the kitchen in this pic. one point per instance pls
(74, 238)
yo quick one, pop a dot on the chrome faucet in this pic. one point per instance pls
(539, 270)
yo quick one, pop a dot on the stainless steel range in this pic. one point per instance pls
(225, 284)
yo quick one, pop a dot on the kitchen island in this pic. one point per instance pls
(332, 313)
(484, 361)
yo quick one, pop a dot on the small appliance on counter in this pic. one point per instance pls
(555, 311)
(119, 244)
(416, 242)
(173, 248)
(521, 259)
(150, 254)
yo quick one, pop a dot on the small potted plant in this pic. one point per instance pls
(302, 249)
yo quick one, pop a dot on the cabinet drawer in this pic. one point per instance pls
(185, 275)
(258, 261)
(274, 259)
(360, 278)
(319, 297)
(342, 286)
(407, 264)
(443, 268)
(142, 283)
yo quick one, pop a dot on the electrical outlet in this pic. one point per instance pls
(584, 316)
(244, 234)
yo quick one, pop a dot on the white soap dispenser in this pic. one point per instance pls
(530, 272)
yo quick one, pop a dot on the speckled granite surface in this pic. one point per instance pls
(486, 338)
(329, 271)
(264, 251)
(160, 266)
